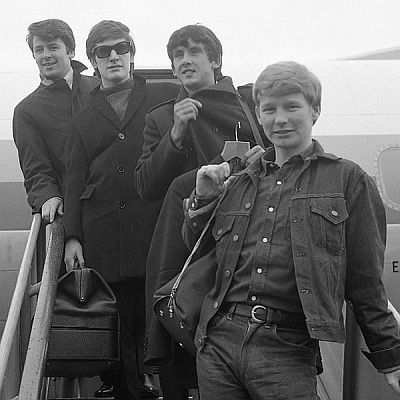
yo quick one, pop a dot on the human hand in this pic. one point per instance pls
(184, 111)
(51, 207)
(73, 257)
(393, 379)
(253, 154)
(210, 180)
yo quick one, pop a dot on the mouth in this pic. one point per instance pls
(187, 71)
(282, 131)
(114, 67)
(49, 64)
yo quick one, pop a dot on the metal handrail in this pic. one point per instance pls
(32, 376)
(18, 297)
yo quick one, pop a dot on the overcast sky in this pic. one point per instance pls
(253, 33)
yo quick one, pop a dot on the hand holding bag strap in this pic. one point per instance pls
(253, 125)
(195, 247)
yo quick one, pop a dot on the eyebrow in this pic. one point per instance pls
(47, 44)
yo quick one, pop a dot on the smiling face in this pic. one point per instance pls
(52, 57)
(114, 69)
(192, 66)
(287, 121)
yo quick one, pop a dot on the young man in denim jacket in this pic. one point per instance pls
(297, 233)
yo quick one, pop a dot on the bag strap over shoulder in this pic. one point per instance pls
(253, 125)
(197, 244)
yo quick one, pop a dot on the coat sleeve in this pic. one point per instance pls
(161, 161)
(77, 167)
(365, 247)
(40, 178)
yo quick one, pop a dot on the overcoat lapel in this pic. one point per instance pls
(136, 98)
(103, 106)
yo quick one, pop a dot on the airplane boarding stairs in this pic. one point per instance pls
(347, 375)
(33, 384)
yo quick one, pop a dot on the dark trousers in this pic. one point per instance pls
(244, 360)
(125, 375)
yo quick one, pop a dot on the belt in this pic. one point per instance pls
(265, 315)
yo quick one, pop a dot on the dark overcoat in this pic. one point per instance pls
(102, 208)
(39, 130)
(159, 164)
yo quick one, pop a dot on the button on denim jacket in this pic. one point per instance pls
(337, 226)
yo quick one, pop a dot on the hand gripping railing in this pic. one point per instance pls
(18, 297)
(32, 376)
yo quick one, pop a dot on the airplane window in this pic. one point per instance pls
(387, 177)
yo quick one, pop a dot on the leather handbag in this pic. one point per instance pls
(84, 336)
(178, 303)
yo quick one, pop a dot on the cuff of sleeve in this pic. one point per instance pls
(199, 206)
(51, 198)
(181, 148)
(388, 370)
(383, 360)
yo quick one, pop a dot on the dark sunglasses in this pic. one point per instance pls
(105, 51)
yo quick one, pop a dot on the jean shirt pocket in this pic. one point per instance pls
(328, 216)
(223, 225)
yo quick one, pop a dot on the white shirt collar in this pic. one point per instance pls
(69, 78)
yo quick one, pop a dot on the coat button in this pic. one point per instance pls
(121, 136)
(215, 304)
(279, 182)
(227, 273)
(334, 213)
(219, 231)
(247, 205)
(121, 204)
(120, 169)
(235, 238)
(305, 291)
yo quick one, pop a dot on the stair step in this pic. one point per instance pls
(80, 398)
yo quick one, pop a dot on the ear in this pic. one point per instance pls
(93, 62)
(71, 54)
(315, 114)
(132, 57)
(217, 63)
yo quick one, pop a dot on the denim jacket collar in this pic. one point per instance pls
(254, 168)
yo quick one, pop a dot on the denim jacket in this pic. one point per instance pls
(338, 232)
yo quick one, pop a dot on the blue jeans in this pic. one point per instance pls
(244, 360)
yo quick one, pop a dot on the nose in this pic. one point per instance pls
(46, 52)
(281, 117)
(113, 55)
(186, 58)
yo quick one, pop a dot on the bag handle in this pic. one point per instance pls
(250, 118)
(194, 249)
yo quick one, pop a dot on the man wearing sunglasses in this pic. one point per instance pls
(108, 227)
(40, 119)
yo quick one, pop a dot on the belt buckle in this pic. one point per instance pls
(253, 314)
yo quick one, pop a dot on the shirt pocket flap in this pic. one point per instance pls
(223, 224)
(331, 208)
(88, 192)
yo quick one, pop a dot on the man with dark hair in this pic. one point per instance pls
(41, 118)
(179, 136)
(296, 233)
(108, 227)
(184, 133)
